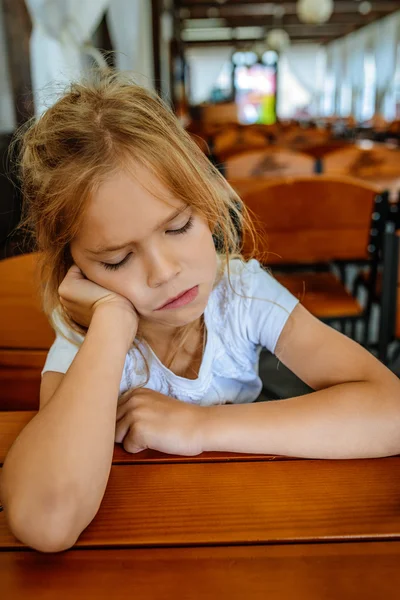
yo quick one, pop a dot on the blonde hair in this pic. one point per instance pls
(98, 126)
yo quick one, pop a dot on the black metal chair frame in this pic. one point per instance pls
(389, 214)
(388, 304)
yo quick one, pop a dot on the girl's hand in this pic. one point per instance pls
(148, 419)
(81, 297)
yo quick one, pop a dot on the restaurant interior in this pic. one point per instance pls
(291, 101)
(297, 104)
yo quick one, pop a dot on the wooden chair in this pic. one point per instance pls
(324, 149)
(308, 225)
(238, 139)
(298, 138)
(249, 184)
(270, 132)
(375, 163)
(25, 334)
(394, 128)
(224, 112)
(364, 162)
(201, 143)
(269, 162)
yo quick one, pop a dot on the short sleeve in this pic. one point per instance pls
(267, 307)
(64, 349)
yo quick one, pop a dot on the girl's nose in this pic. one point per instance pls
(161, 268)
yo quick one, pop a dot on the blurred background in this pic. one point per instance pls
(297, 103)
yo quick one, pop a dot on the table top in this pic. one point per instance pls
(222, 524)
(286, 572)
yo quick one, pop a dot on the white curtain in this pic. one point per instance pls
(338, 79)
(329, 94)
(337, 67)
(60, 32)
(205, 65)
(130, 26)
(345, 81)
(292, 97)
(355, 56)
(347, 59)
(344, 77)
(386, 39)
(304, 61)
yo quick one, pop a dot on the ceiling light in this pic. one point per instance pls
(278, 40)
(279, 11)
(314, 11)
(365, 8)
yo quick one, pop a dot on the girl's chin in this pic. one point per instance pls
(177, 317)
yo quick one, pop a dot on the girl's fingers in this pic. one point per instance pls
(126, 407)
(74, 272)
(125, 397)
(130, 443)
(121, 429)
(121, 412)
(132, 448)
(124, 404)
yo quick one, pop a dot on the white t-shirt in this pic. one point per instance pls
(237, 328)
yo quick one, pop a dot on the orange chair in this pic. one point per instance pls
(308, 225)
(217, 114)
(297, 138)
(376, 163)
(363, 160)
(201, 143)
(25, 334)
(394, 126)
(269, 162)
(237, 139)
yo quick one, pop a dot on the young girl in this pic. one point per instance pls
(159, 326)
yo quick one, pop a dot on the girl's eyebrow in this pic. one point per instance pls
(105, 249)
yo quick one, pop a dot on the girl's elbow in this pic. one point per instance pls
(46, 531)
(43, 540)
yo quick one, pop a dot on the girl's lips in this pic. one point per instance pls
(182, 300)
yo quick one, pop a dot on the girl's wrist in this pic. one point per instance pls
(209, 426)
(225, 427)
(120, 321)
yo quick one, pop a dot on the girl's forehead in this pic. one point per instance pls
(133, 183)
(124, 207)
(143, 194)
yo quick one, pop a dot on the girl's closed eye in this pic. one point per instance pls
(181, 230)
(115, 266)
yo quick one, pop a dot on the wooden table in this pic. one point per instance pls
(222, 526)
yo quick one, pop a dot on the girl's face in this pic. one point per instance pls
(148, 250)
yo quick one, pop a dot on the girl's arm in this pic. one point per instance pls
(355, 412)
(55, 474)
